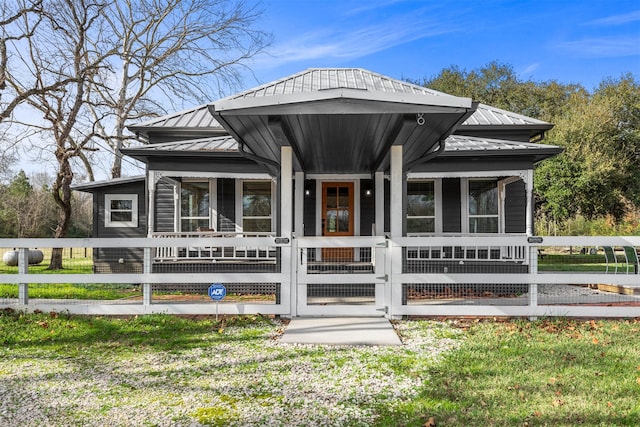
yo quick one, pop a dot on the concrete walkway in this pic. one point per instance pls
(340, 331)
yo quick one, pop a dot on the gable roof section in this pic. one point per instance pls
(340, 120)
(319, 79)
(196, 121)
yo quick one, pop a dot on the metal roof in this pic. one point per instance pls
(486, 115)
(192, 118)
(454, 145)
(319, 79)
(471, 144)
(93, 185)
(221, 144)
(323, 79)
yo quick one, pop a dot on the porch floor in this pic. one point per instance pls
(360, 331)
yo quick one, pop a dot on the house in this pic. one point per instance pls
(327, 153)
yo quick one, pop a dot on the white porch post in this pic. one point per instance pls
(288, 283)
(151, 183)
(529, 212)
(286, 191)
(396, 191)
(393, 293)
(299, 206)
(379, 185)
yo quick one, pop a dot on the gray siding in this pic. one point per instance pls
(451, 206)
(130, 188)
(515, 208)
(200, 164)
(309, 208)
(226, 205)
(165, 207)
(367, 208)
(453, 164)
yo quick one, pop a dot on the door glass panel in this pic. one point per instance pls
(343, 220)
(332, 197)
(343, 197)
(332, 223)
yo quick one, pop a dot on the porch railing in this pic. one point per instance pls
(484, 275)
(219, 247)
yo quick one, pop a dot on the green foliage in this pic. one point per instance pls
(598, 174)
(498, 85)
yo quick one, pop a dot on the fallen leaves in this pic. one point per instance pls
(431, 422)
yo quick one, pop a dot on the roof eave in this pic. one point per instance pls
(345, 97)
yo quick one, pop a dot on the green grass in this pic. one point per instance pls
(577, 263)
(97, 291)
(512, 373)
(545, 373)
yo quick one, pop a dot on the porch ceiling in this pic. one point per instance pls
(341, 130)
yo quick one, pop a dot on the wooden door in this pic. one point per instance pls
(337, 217)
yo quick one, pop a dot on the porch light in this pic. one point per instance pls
(307, 192)
(367, 192)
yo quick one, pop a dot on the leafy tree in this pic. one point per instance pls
(599, 172)
(26, 211)
(498, 85)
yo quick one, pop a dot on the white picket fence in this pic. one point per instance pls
(419, 276)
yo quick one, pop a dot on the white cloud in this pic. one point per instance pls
(529, 69)
(625, 18)
(607, 47)
(355, 43)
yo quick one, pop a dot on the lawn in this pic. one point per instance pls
(64, 370)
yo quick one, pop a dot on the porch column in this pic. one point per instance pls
(299, 206)
(379, 185)
(393, 285)
(151, 184)
(396, 191)
(529, 212)
(288, 283)
(286, 190)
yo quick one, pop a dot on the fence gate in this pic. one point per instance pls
(341, 277)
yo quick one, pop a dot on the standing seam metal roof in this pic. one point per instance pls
(198, 117)
(319, 79)
(454, 143)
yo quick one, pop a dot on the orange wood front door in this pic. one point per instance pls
(337, 217)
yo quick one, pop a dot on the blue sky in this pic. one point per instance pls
(568, 41)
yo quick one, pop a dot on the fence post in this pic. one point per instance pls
(147, 264)
(533, 287)
(23, 268)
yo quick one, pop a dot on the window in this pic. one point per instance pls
(194, 205)
(483, 206)
(256, 206)
(121, 210)
(421, 207)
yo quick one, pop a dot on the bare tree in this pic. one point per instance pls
(168, 51)
(60, 51)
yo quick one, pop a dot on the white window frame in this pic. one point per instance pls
(437, 214)
(239, 208)
(108, 198)
(464, 183)
(212, 211)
